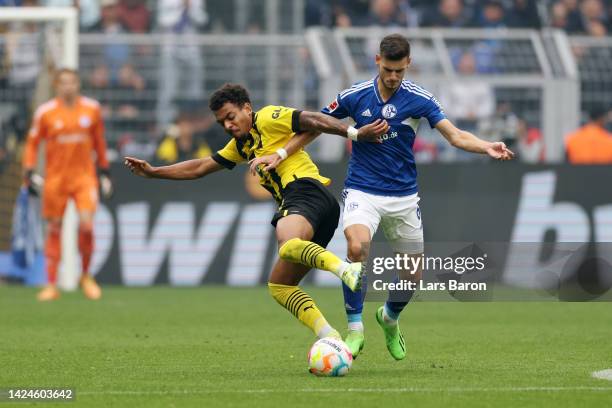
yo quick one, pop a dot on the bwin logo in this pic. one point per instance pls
(538, 215)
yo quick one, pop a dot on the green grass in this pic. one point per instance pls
(217, 346)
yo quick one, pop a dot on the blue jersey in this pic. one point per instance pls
(388, 168)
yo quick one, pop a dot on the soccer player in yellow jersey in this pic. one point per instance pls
(308, 213)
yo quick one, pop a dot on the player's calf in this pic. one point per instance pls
(301, 305)
(53, 250)
(86, 245)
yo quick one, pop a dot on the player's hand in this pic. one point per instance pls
(139, 167)
(372, 132)
(106, 185)
(499, 151)
(271, 161)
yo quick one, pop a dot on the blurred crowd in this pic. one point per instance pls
(161, 91)
(592, 17)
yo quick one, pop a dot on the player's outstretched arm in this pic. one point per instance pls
(467, 141)
(186, 170)
(320, 122)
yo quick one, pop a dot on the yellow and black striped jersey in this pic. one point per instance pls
(272, 127)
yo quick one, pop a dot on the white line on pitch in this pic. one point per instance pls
(351, 390)
(603, 374)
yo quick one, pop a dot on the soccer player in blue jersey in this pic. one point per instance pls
(381, 186)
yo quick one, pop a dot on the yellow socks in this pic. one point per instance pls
(303, 307)
(310, 254)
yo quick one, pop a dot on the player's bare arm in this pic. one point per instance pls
(316, 121)
(470, 143)
(185, 170)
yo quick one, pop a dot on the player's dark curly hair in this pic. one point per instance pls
(232, 93)
(394, 47)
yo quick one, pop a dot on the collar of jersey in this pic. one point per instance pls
(254, 121)
(378, 97)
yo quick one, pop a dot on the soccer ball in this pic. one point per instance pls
(329, 357)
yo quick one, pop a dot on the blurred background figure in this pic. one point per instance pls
(466, 100)
(492, 15)
(386, 13)
(524, 14)
(448, 14)
(23, 62)
(592, 143)
(181, 143)
(89, 10)
(115, 53)
(181, 65)
(134, 15)
(529, 144)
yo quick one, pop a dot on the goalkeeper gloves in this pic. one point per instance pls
(106, 184)
(33, 182)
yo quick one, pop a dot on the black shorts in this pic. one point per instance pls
(311, 199)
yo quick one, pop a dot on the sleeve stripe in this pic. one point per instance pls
(416, 92)
(352, 91)
(359, 85)
(228, 164)
(295, 120)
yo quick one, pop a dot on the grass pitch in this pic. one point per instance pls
(218, 346)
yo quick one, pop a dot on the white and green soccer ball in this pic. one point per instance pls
(329, 357)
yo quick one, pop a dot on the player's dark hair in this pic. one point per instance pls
(232, 93)
(394, 47)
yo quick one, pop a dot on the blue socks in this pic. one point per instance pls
(353, 305)
(394, 308)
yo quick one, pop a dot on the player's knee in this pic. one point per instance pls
(86, 227)
(54, 227)
(355, 251)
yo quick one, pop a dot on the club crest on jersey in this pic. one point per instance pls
(333, 106)
(389, 111)
(84, 121)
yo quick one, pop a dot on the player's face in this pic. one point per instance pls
(391, 72)
(67, 85)
(236, 121)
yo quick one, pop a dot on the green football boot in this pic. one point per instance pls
(355, 340)
(393, 337)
